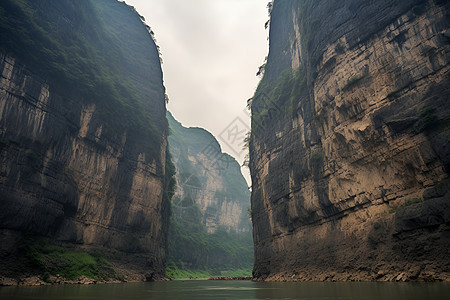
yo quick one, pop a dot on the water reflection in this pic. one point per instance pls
(353, 290)
(235, 290)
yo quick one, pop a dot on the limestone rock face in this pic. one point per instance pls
(208, 178)
(350, 164)
(69, 173)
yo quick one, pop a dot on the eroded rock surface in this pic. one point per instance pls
(350, 175)
(69, 173)
(208, 178)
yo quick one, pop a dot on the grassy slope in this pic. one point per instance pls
(49, 259)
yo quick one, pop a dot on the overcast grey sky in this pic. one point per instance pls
(211, 51)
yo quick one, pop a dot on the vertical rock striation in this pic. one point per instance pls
(208, 178)
(74, 167)
(210, 229)
(349, 154)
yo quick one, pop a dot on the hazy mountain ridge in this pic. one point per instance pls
(209, 178)
(210, 226)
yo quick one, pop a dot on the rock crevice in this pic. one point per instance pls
(347, 173)
(71, 173)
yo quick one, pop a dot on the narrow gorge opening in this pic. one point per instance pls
(210, 232)
(99, 182)
(127, 159)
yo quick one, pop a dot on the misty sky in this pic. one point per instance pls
(211, 51)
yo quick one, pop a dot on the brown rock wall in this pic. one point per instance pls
(65, 175)
(353, 184)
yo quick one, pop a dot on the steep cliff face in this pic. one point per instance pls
(210, 229)
(73, 166)
(349, 153)
(208, 178)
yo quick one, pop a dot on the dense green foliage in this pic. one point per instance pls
(169, 180)
(428, 118)
(52, 260)
(194, 252)
(183, 273)
(273, 100)
(67, 43)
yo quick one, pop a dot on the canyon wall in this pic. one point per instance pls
(349, 152)
(82, 146)
(208, 178)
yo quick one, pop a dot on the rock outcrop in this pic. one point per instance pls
(73, 168)
(210, 228)
(208, 178)
(349, 153)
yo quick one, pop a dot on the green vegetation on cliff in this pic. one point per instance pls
(169, 178)
(303, 165)
(95, 57)
(204, 173)
(282, 88)
(195, 141)
(50, 259)
(194, 252)
(276, 99)
(70, 45)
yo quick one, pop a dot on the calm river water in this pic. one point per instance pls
(202, 289)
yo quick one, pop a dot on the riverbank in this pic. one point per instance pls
(38, 280)
(51, 280)
(425, 274)
(34, 261)
(174, 272)
(42, 280)
(232, 278)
